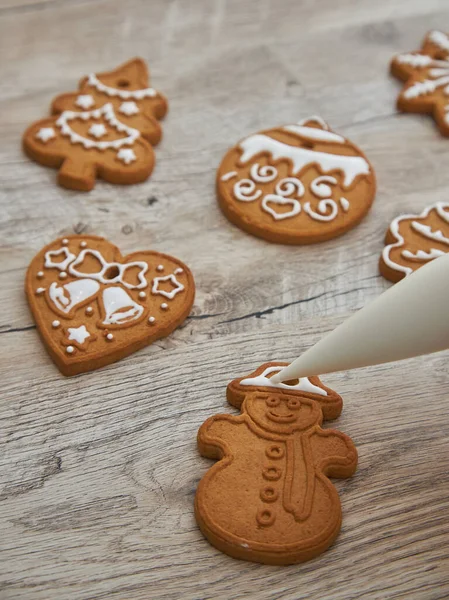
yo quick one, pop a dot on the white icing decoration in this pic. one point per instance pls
(275, 199)
(262, 380)
(62, 266)
(315, 134)
(40, 290)
(98, 130)
(65, 241)
(351, 166)
(105, 266)
(323, 207)
(115, 301)
(439, 39)
(344, 204)
(229, 175)
(160, 268)
(107, 112)
(164, 306)
(425, 230)
(151, 320)
(128, 108)
(422, 254)
(56, 324)
(126, 155)
(70, 349)
(319, 186)
(314, 119)
(421, 88)
(85, 101)
(45, 133)
(89, 310)
(287, 186)
(78, 334)
(178, 271)
(40, 274)
(123, 94)
(263, 174)
(244, 190)
(437, 75)
(73, 293)
(62, 275)
(178, 286)
(142, 295)
(109, 336)
(83, 244)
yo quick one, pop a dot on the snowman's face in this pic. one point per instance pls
(279, 413)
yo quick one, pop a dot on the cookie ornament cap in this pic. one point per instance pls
(426, 76)
(106, 129)
(297, 184)
(268, 499)
(93, 306)
(414, 240)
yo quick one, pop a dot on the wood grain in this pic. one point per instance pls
(98, 472)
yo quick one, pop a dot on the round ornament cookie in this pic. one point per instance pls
(297, 184)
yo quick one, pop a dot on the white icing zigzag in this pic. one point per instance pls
(123, 94)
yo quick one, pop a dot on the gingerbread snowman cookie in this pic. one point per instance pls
(426, 77)
(93, 306)
(414, 240)
(297, 184)
(106, 129)
(268, 498)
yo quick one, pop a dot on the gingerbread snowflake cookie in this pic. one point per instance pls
(93, 306)
(414, 240)
(106, 129)
(426, 76)
(296, 184)
(268, 498)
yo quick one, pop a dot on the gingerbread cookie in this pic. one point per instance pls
(268, 499)
(104, 130)
(414, 240)
(296, 184)
(426, 76)
(93, 306)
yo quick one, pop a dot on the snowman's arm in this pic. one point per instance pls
(334, 453)
(217, 434)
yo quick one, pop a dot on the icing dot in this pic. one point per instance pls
(40, 290)
(89, 310)
(151, 320)
(56, 324)
(69, 349)
(109, 336)
(164, 306)
(142, 295)
(65, 241)
(179, 271)
(62, 275)
(83, 244)
(40, 274)
(160, 268)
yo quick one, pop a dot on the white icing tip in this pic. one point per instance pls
(56, 324)
(151, 320)
(65, 241)
(89, 310)
(83, 244)
(40, 274)
(40, 290)
(164, 306)
(70, 349)
(62, 275)
(142, 295)
(109, 337)
(179, 271)
(160, 268)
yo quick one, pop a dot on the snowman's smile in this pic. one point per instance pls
(285, 418)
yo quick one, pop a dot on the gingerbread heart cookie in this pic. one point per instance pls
(296, 184)
(268, 498)
(93, 306)
(104, 130)
(414, 240)
(426, 76)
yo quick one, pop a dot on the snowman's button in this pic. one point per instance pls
(268, 494)
(275, 451)
(272, 473)
(265, 517)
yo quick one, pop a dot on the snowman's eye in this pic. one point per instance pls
(293, 403)
(272, 401)
(320, 188)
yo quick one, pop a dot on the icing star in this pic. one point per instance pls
(45, 133)
(98, 130)
(85, 101)
(78, 334)
(126, 155)
(178, 287)
(128, 108)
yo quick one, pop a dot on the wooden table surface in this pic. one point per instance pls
(98, 472)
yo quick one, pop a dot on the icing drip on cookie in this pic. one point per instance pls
(263, 380)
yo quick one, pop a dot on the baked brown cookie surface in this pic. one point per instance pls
(106, 129)
(268, 498)
(297, 184)
(93, 306)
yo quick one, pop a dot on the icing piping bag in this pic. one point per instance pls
(410, 319)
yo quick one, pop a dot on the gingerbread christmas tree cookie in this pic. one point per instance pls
(106, 129)
(93, 306)
(414, 240)
(426, 77)
(297, 184)
(268, 498)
